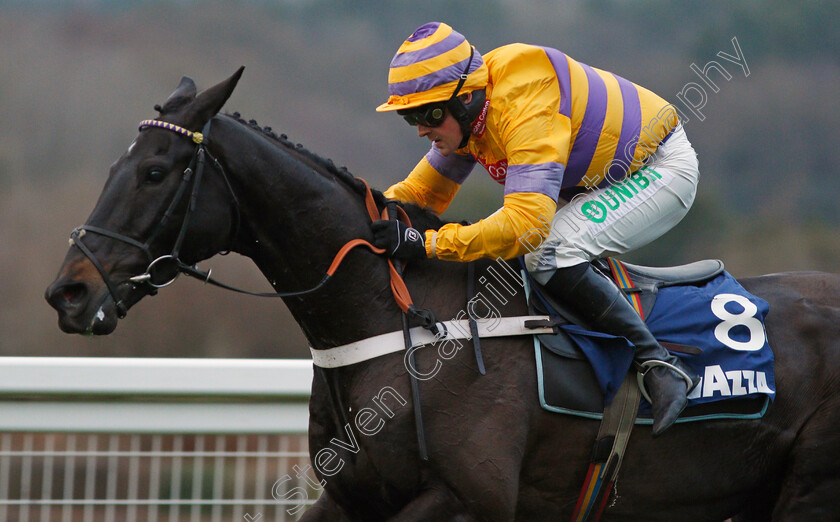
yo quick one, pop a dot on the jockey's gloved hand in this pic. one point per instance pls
(398, 239)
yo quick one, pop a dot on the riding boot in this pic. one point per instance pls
(600, 303)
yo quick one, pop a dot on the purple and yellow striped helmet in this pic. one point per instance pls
(428, 65)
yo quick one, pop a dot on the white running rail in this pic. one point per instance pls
(130, 439)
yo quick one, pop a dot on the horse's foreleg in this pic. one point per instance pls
(435, 503)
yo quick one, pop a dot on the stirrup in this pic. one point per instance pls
(648, 365)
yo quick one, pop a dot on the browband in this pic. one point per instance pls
(197, 137)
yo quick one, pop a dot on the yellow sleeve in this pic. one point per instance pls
(426, 188)
(517, 228)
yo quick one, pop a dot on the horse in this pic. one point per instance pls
(492, 453)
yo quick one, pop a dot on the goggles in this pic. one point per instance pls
(429, 115)
(433, 114)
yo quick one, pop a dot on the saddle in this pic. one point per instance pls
(566, 373)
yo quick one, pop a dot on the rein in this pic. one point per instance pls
(165, 269)
(162, 271)
(398, 287)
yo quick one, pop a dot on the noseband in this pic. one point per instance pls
(163, 270)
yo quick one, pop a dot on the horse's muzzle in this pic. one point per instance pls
(82, 309)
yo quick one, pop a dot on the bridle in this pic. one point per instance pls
(163, 270)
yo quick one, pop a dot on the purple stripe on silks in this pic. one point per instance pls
(631, 126)
(455, 167)
(543, 178)
(411, 57)
(569, 193)
(572, 179)
(431, 80)
(586, 141)
(423, 31)
(561, 70)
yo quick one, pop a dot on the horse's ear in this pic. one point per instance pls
(183, 94)
(210, 101)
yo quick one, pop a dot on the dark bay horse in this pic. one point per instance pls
(494, 454)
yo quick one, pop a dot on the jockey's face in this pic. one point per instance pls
(446, 136)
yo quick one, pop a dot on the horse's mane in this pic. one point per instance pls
(420, 218)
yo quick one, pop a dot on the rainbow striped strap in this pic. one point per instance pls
(197, 137)
(622, 279)
(608, 453)
(615, 429)
(589, 494)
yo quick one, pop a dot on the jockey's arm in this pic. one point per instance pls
(426, 188)
(517, 228)
(536, 146)
(536, 143)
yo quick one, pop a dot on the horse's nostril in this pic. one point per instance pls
(68, 295)
(74, 292)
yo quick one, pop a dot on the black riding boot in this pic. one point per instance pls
(599, 302)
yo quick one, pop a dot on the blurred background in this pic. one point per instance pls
(77, 76)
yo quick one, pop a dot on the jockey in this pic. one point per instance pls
(591, 165)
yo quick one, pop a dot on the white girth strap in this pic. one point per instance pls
(373, 347)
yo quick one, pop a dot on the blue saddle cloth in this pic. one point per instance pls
(717, 316)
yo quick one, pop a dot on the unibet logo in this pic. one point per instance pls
(613, 196)
(594, 211)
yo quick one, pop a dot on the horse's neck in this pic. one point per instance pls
(294, 220)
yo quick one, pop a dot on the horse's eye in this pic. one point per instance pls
(155, 175)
